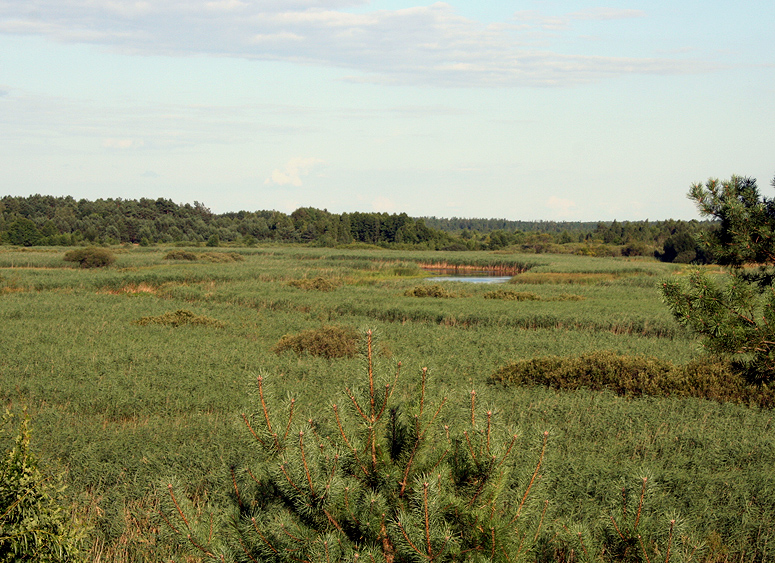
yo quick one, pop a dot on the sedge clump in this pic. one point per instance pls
(180, 255)
(315, 284)
(433, 290)
(179, 318)
(327, 341)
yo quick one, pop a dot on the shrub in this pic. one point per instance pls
(179, 318)
(180, 255)
(214, 241)
(34, 524)
(432, 290)
(512, 295)
(317, 284)
(221, 257)
(326, 341)
(705, 378)
(91, 257)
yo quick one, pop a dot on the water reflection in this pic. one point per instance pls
(473, 278)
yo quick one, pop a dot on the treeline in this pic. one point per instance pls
(49, 220)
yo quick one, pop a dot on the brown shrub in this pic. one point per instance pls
(327, 341)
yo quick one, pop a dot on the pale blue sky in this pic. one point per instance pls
(525, 110)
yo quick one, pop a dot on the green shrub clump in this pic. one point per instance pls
(91, 257)
(317, 284)
(180, 255)
(707, 378)
(326, 341)
(179, 318)
(221, 257)
(512, 295)
(433, 290)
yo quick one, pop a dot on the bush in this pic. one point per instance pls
(326, 341)
(705, 378)
(433, 290)
(179, 318)
(317, 284)
(34, 525)
(91, 257)
(180, 255)
(221, 257)
(512, 295)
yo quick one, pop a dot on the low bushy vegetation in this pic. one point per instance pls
(327, 341)
(318, 283)
(92, 257)
(220, 257)
(179, 318)
(430, 290)
(512, 295)
(180, 255)
(705, 378)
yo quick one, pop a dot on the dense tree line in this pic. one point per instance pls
(49, 220)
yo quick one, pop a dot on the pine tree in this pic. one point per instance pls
(34, 526)
(375, 481)
(734, 314)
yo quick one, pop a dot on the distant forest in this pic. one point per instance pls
(65, 221)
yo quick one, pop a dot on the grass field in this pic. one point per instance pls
(121, 407)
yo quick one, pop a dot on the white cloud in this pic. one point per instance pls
(419, 45)
(293, 171)
(563, 206)
(382, 204)
(112, 143)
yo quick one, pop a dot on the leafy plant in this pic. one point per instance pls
(34, 523)
(91, 257)
(378, 480)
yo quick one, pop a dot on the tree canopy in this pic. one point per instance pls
(735, 313)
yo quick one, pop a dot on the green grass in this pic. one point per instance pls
(119, 406)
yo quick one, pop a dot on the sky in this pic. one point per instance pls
(523, 110)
